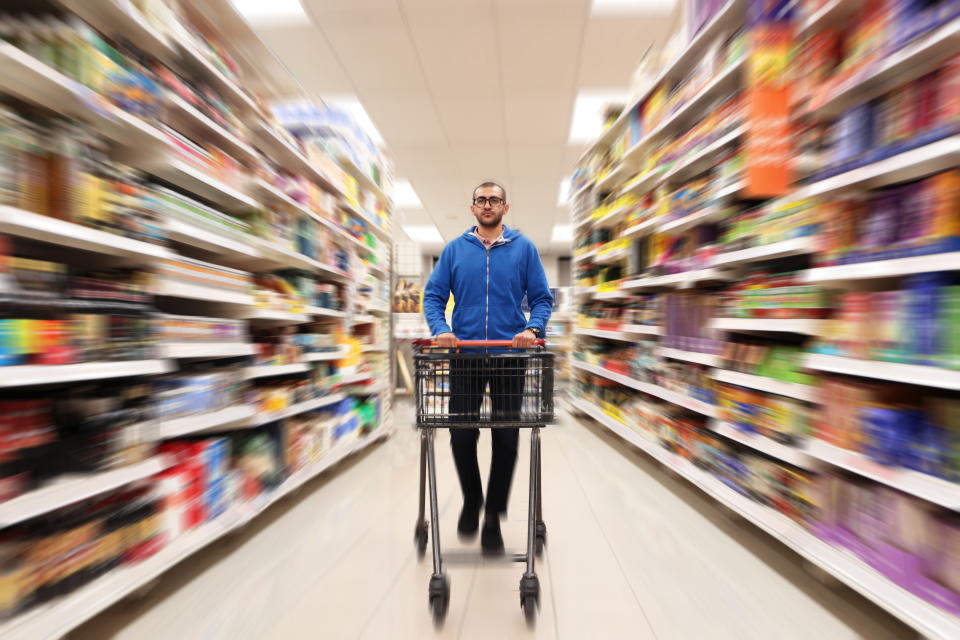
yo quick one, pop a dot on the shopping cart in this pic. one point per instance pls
(451, 393)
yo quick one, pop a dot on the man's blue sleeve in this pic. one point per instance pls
(436, 294)
(538, 292)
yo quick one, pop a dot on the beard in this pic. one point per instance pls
(491, 222)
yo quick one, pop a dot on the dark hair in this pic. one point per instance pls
(490, 184)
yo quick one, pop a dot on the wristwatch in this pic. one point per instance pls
(535, 330)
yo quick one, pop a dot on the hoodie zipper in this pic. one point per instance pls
(486, 306)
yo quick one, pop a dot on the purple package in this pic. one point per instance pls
(879, 230)
(917, 209)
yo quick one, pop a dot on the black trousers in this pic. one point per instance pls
(468, 381)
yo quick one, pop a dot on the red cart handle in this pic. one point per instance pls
(426, 342)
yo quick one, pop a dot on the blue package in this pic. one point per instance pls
(884, 436)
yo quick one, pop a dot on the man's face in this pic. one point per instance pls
(489, 214)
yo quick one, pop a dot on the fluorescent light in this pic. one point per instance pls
(630, 7)
(272, 12)
(351, 106)
(423, 233)
(404, 196)
(563, 197)
(562, 233)
(587, 124)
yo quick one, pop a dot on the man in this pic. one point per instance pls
(488, 270)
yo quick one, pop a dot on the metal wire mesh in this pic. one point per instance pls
(470, 389)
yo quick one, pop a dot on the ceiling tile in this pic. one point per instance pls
(378, 58)
(458, 56)
(404, 118)
(472, 120)
(539, 50)
(538, 117)
(613, 48)
(309, 57)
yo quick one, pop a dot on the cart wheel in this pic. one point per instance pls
(439, 599)
(420, 539)
(529, 606)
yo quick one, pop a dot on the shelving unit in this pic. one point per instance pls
(664, 164)
(202, 234)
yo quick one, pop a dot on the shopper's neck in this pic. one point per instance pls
(490, 234)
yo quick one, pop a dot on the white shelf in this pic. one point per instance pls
(72, 488)
(197, 182)
(353, 378)
(228, 88)
(365, 181)
(700, 217)
(792, 247)
(322, 311)
(189, 120)
(174, 289)
(287, 257)
(705, 158)
(776, 325)
(673, 397)
(921, 485)
(375, 270)
(288, 156)
(59, 617)
(26, 375)
(381, 309)
(200, 422)
(885, 268)
(266, 371)
(363, 318)
(622, 336)
(296, 409)
(683, 280)
(832, 12)
(24, 224)
(324, 356)
(189, 350)
(909, 165)
(611, 295)
(234, 246)
(640, 229)
(805, 392)
(612, 256)
(914, 611)
(368, 348)
(937, 377)
(707, 359)
(791, 455)
(273, 316)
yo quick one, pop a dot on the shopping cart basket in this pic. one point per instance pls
(451, 393)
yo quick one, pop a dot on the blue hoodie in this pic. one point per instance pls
(488, 287)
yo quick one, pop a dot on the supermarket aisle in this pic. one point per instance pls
(632, 553)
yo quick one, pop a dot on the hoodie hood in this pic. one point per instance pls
(508, 234)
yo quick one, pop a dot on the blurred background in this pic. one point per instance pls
(217, 218)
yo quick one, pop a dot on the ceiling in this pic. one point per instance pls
(469, 90)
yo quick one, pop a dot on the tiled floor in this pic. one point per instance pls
(631, 553)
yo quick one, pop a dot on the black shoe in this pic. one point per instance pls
(469, 521)
(490, 539)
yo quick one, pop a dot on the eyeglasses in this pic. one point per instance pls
(493, 201)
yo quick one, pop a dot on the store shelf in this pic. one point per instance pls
(724, 83)
(113, 19)
(909, 165)
(622, 336)
(277, 317)
(68, 489)
(324, 356)
(792, 247)
(921, 485)
(683, 280)
(296, 409)
(612, 256)
(775, 325)
(379, 309)
(202, 350)
(231, 91)
(363, 318)
(288, 156)
(59, 617)
(266, 371)
(187, 119)
(900, 67)
(832, 13)
(640, 229)
(937, 377)
(791, 455)
(884, 268)
(238, 249)
(375, 270)
(222, 419)
(655, 390)
(707, 359)
(25, 224)
(370, 348)
(285, 257)
(704, 216)
(705, 158)
(199, 183)
(323, 311)
(175, 289)
(616, 294)
(366, 182)
(803, 392)
(729, 17)
(28, 375)
(353, 378)
(914, 611)
(272, 194)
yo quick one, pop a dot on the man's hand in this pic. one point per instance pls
(447, 341)
(524, 339)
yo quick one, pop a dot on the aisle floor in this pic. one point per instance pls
(632, 553)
